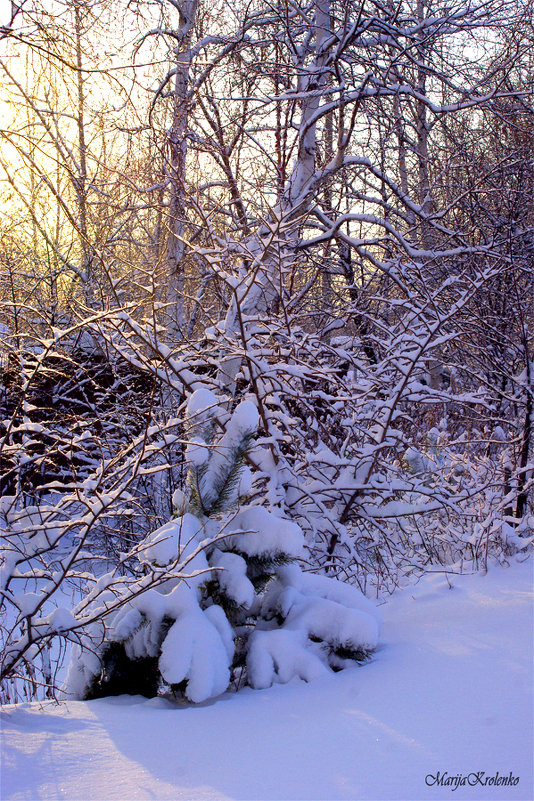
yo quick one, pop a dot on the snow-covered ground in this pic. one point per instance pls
(449, 692)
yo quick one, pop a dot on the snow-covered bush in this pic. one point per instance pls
(345, 475)
(79, 471)
(236, 606)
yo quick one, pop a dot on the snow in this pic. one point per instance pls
(202, 408)
(197, 453)
(333, 623)
(317, 623)
(329, 588)
(259, 532)
(211, 464)
(449, 690)
(177, 539)
(245, 418)
(232, 577)
(243, 423)
(194, 649)
(280, 654)
(60, 619)
(83, 667)
(180, 502)
(198, 646)
(201, 400)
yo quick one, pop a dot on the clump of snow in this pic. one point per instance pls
(232, 577)
(180, 502)
(333, 623)
(281, 655)
(201, 407)
(323, 621)
(197, 453)
(258, 532)
(244, 420)
(60, 619)
(84, 663)
(126, 623)
(325, 587)
(498, 434)
(194, 650)
(245, 482)
(217, 618)
(178, 540)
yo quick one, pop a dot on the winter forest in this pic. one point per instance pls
(266, 331)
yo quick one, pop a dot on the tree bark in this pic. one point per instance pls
(177, 149)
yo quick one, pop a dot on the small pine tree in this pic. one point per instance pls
(235, 603)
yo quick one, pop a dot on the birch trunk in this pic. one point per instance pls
(422, 130)
(275, 244)
(177, 146)
(81, 179)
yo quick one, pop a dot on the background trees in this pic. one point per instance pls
(323, 207)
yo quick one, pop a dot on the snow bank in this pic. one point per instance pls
(449, 691)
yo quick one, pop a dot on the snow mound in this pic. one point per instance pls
(340, 627)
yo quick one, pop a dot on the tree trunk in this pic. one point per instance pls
(81, 179)
(177, 145)
(273, 245)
